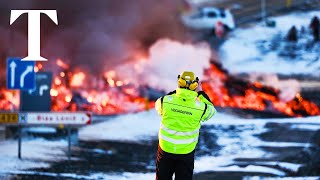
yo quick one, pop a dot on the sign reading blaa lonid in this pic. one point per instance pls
(34, 30)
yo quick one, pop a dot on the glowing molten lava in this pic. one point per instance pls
(115, 96)
(135, 86)
(227, 91)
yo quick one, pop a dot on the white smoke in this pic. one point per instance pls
(167, 59)
(288, 88)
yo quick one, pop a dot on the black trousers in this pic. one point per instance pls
(180, 164)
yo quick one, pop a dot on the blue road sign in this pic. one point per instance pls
(39, 98)
(20, 74)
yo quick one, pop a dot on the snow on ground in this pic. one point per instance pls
(101, 176)
(42, 130)
(280, 178)
(242, 143)
(242, 53)
(249, 168)
(35, 153)
(130, 127)
(304, 127)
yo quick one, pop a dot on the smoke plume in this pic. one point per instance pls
(94, 35)
(167, 59)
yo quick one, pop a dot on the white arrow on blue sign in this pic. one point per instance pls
(20, 74)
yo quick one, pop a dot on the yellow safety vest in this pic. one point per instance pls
(181, 114)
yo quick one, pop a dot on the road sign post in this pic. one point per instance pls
(19, 141)
(69, 143)
(51, 119)
(12, 100)
(12, 119)
(57, 119)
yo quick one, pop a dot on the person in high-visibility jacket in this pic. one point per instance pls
(182, 112)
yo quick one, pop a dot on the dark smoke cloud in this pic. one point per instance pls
(96, 34)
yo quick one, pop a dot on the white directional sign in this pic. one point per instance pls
(77, 118)
(13, 66)
(28, 70)
(20, 74)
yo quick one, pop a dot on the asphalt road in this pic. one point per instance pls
(93, 157)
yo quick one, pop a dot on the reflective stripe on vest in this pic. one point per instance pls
(211, 112)
(178, 141)
(179, 133)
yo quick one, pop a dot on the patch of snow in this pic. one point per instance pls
(234, 168)
(35, 153)
(279, 178)
(49, 174)
(232, 120)
(130, 127)
(312, 127)
(109, 176)
(41, 129)
(289, 166)
(281, 144)
(123, 176)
